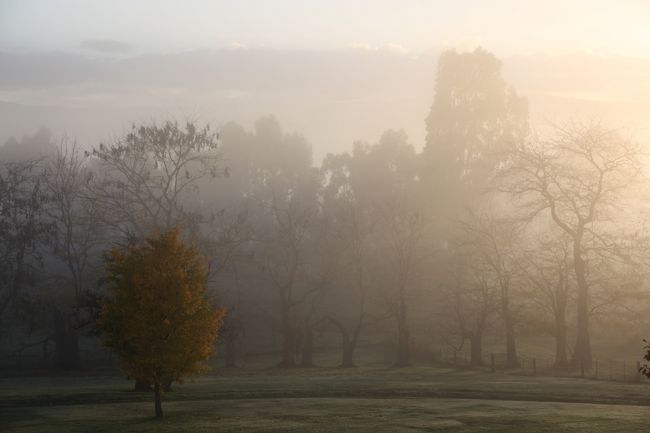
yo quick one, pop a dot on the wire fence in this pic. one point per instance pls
(619, 370)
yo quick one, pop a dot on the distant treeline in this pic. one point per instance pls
(490, 232)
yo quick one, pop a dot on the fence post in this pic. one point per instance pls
(492, 364)
(534, 367)
(582, 369)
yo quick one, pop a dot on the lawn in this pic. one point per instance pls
(428, 399)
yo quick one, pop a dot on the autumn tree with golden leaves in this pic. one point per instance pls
(158, 318)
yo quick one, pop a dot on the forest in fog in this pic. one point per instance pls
(497, 237)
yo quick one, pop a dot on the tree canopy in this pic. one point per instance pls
(158, 318)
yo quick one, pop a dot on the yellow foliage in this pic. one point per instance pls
(158, 318)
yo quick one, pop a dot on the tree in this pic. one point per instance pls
(23, 227)
(577, 178)
(473, 302)
(158, 318)
(492, 239)
(283, 251)
(350, 219)
(29, 148)
(143, 180)
(547, 269)
(393, 167)
(76, 245)
(283, 187)
(404, 230)
(475, 116)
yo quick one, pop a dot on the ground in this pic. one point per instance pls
(375, 399)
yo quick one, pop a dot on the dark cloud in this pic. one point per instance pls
(106, 46)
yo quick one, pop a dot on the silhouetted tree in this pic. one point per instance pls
(392, 172)
(474, 117)
(493, 241)
(547, 269)
(77, 245)
(142, 180)
(577, 178)
(350, 220)
(284, 188)
(24, 227)
(470, 302)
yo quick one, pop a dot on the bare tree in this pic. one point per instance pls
(403, 230)
(23, 227)
(143, 179)
(77, 242)
(493, 241)
(350, 221)
(283, 263)
(577, 178)
(470, 303)
(352, 232)
(226, 241)
(547, 270)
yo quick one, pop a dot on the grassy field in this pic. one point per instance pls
(427, 399)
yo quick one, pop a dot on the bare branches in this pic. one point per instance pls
(145, 176)
(576, 175)
(23, 226)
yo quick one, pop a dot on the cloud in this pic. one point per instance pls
(392, 48)
(395, 48)
(105, 46)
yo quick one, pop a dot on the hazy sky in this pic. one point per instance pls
(506, 26)
(335, 70)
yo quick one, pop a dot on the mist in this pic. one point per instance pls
(281, 221)
(361, 91)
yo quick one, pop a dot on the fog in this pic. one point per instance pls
(362, 92)
(279, 211)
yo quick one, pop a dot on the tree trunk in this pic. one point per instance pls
(158, 400)
(511, 347)
(348, 356)
(348, 344)
(403, 335)
(403, 349)
(288, 340)
(476, 349)
(347, 360)
(307, 350)
(561, 360)
(512, 360)
(66, 351)
(582, 353)
(231, 347)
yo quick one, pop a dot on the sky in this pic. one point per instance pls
(415, 26)
(336, 71)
